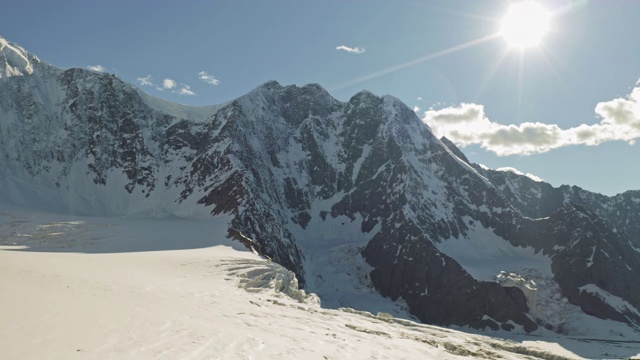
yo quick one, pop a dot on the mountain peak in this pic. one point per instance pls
(303, 177)
(454, 149)
(363, 94)
(15, 60)
(273, 85)
(270, 85)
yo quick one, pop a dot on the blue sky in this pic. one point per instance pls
(429, 54)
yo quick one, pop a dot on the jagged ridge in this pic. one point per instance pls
(286, 161)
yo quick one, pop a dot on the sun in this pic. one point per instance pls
(525, 24)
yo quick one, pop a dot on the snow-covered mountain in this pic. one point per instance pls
(344, 194)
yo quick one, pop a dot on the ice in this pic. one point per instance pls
(483, 254)
(528, 287)
(335, 269)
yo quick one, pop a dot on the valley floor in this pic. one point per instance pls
(98, 288)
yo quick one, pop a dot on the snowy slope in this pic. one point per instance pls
(14, 60)
(87, 287)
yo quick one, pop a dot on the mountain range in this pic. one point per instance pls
(314, 183)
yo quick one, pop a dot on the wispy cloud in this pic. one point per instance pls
(209, 79)
(169, 84)
(467, 124)
(97, 68)
(352, 50)
(145, 81)
(186, 90)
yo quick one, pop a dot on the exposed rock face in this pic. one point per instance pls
(591, 238)
(538, 199)
(283, 160)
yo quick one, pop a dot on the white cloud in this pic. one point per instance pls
(209, 79)
(169, 84)
(145, 81)
(97, 68)
(186, 90)
(467, 124)
(416, 108)
(419, 98)
(352, 50)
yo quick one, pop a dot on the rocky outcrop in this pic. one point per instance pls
(436, 288)
(537, 199)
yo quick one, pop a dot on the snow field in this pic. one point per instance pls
(76, 287)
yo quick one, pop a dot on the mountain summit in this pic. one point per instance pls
(14, 60)
(347, 195)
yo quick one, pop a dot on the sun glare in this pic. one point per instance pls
(525, 24)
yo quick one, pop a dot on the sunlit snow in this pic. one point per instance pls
(88, 287)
